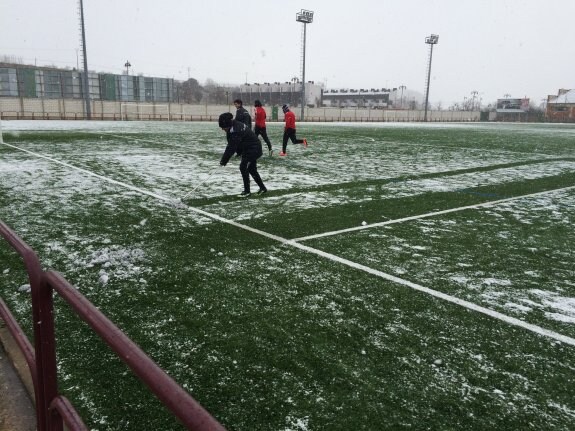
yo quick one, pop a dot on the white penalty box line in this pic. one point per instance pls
(294, 243)
(427, 215)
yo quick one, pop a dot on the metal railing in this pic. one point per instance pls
(52, 409)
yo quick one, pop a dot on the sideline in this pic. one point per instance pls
(294, 243)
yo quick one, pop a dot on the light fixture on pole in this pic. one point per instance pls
(474, 93)
(402, 87)
(305, 17)
(127, 65)
(431, 40)
(294, 80)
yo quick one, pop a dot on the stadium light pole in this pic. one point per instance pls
(305, 17)
(431, 40)
(474, 93)
(402, 87)
(127, 65)
(84, 53)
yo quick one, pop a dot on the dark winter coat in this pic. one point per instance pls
(242, 141)
(244, 116)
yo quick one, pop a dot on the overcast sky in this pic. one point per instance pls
(496, 47)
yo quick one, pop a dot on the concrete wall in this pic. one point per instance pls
(71, 109)
(387, 115)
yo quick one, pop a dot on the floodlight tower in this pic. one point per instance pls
(84, 53)
(305, 17)
(431, 40)
(402, 87)
(474, 94)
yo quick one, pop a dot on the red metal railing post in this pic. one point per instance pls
(53, 410)
(43, 308)
(43, 327)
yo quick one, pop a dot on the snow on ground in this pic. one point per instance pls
(183, 160)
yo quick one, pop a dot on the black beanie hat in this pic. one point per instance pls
(285, 108)
(257, 103)
(225, 120)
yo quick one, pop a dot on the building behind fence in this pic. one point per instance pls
(561, 107)
(29, 92)
(51, 83)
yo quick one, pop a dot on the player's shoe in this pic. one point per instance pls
(271, 152)
(282, 154)
(244, 194)
(305, 143)
(262, 191)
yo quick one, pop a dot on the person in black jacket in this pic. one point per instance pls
(242, 114)
(244, 142)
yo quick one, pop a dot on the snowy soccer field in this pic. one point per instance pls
(396, 276)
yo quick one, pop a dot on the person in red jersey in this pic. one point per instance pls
(289, 130)
(260, 127)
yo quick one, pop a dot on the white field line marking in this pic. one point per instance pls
(454, 300)
(129, 137)
(154, 195)
(433, 214)
(497, 152)
(463, 303)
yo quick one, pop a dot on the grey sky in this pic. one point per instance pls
(496, 47)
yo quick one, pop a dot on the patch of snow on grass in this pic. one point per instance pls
(297, 424)
(563, 307)
(517, 307)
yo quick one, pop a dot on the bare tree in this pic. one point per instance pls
(190, 91)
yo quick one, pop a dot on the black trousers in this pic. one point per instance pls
(290, 134)
(250, 167)
(262, 131)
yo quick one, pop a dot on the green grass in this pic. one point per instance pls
(269, 337)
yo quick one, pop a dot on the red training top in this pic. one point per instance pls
(290, 120)
(260, 117)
